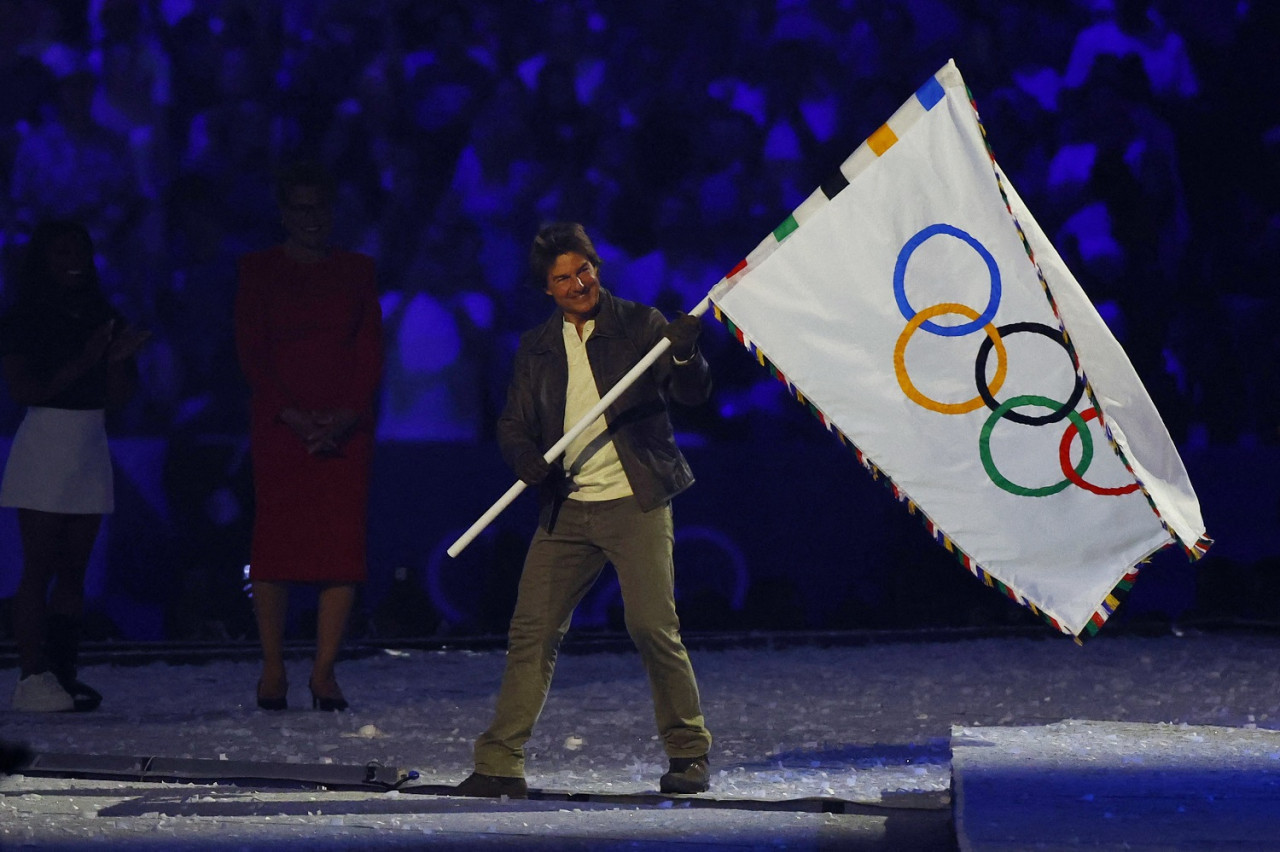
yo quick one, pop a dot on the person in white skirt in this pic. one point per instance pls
(67, 355)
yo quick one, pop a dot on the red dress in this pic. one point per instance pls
(309, 336)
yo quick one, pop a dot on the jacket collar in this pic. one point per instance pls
(608, 324)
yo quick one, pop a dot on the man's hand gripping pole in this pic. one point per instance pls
(578, 428)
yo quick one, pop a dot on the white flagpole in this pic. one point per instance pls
(578, 428)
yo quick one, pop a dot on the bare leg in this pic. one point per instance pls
(271, 606)
(66, 608)
(79, 532)
(331, 625)
(55, 550)
(39, 556)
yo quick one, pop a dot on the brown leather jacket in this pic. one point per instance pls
(638, 420)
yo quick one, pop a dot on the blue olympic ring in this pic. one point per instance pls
(900, 276)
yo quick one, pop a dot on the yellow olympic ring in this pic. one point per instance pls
(900, 360)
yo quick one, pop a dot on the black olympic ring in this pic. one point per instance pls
(980, 375)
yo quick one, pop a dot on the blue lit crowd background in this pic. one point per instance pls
(1143, 135)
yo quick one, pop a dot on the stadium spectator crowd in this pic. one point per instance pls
(682, 131)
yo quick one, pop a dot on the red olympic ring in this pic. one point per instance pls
(1064, 458)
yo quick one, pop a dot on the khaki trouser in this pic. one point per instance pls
(559, 569)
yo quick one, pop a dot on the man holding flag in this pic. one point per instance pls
(608, 501)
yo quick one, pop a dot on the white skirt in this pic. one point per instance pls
(59, 462)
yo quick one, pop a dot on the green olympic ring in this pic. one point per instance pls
(989, 465)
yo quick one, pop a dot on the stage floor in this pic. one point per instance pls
(1116, 785)
(833, 743)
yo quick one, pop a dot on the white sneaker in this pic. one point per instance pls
(41, 693)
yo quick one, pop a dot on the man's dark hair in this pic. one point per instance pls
(554, 240)
(310, 173)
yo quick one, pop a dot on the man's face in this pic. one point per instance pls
(572, 283)
(308, 217)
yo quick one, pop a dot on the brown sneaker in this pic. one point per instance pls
(687, 775)
(492, 787)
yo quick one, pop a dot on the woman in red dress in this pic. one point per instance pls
(309, 338)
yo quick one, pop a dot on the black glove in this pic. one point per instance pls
(532, 469)
(683, 333)
(561, 481)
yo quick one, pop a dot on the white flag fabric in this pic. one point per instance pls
(913, 303)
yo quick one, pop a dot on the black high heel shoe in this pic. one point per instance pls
(272, 702)
(86, 697)
(327, 703)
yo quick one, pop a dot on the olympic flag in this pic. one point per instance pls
(913, 303)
